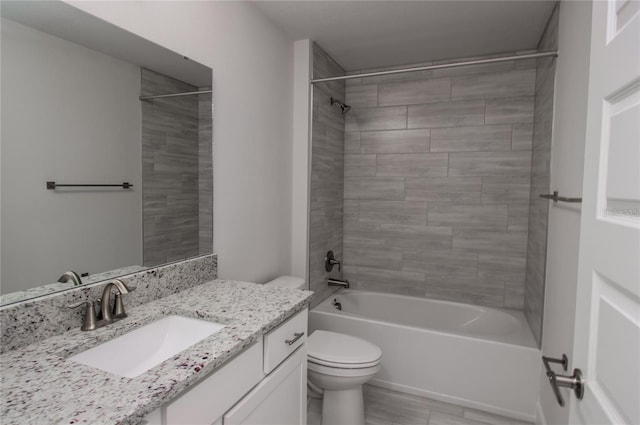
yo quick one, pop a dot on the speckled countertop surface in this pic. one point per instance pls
(39, 386)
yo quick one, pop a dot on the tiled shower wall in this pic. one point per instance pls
(327, 169)
(436, 186)
(205, 172)
(170, 171)
(540, 181)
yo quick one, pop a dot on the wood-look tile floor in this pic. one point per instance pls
(387, 407)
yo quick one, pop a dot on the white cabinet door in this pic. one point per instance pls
(280, 399)
(210, 398)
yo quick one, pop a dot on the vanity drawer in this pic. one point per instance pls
(215, 394)
(283, 340)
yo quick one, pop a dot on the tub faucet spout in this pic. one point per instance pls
(338, 282)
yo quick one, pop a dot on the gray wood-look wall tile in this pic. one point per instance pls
(522, 138)
(468, 216)
(514, 296)
(414, 92)
(362, 95)
(367, 119)
(490, 242)
(414, 165)
(446, 114)
(487, 68)
(352, 142)
(452, 189)
(177, 172)
(326, 205)
(383, 188)
(388, 280)
(515, 164)
(363, 234)
(504, 190)
(387, 78)
(501, 84)
(425, 259)
(373, 256)
(393, 212)
(540, 181)
(414, 237)
(395, 141)
(510, 110)
(450, 182)
(475, 138)
(519, 216)
(466, 291)
(359, 165)
(505, 263)
(205, 172)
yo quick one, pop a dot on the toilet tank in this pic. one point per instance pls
(288, 282)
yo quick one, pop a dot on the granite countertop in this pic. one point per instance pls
(52, 288)
(39, 386)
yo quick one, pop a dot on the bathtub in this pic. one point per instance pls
(477, 357)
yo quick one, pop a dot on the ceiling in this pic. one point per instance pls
(65, 21)
(369, 34)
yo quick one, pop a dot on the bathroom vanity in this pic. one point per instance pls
(266, 384)
(254, 367)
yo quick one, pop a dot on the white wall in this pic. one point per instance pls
(567, 157)
(69, 114)
(252, 128)
(302, 70)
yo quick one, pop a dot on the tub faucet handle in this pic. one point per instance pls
(330, 261)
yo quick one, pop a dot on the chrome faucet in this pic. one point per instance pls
(91, 321)
(70, 276)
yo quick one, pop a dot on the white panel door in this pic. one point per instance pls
(607, 322)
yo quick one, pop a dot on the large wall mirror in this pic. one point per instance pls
(85, 103)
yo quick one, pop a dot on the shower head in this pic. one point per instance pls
(345, 108)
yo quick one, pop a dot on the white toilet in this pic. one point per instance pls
(338, 364)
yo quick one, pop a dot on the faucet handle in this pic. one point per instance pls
(330, 261)
(118, 308)
(90, 321)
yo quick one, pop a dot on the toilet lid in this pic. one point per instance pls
(326, 347)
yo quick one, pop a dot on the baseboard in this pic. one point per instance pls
(454, 400)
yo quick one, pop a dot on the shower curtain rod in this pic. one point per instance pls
(553, 53)
(189, 93)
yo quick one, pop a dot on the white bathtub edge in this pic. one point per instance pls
(540, 419)
(459, 401)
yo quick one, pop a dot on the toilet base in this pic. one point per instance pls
(343, 407)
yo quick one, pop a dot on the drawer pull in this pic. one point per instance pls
(296, 335)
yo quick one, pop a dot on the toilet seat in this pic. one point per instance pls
(337, 365)
(340, 351)
(343, 372)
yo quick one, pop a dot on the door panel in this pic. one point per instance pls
(607, 323)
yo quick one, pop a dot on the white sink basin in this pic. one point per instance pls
(135, 352)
